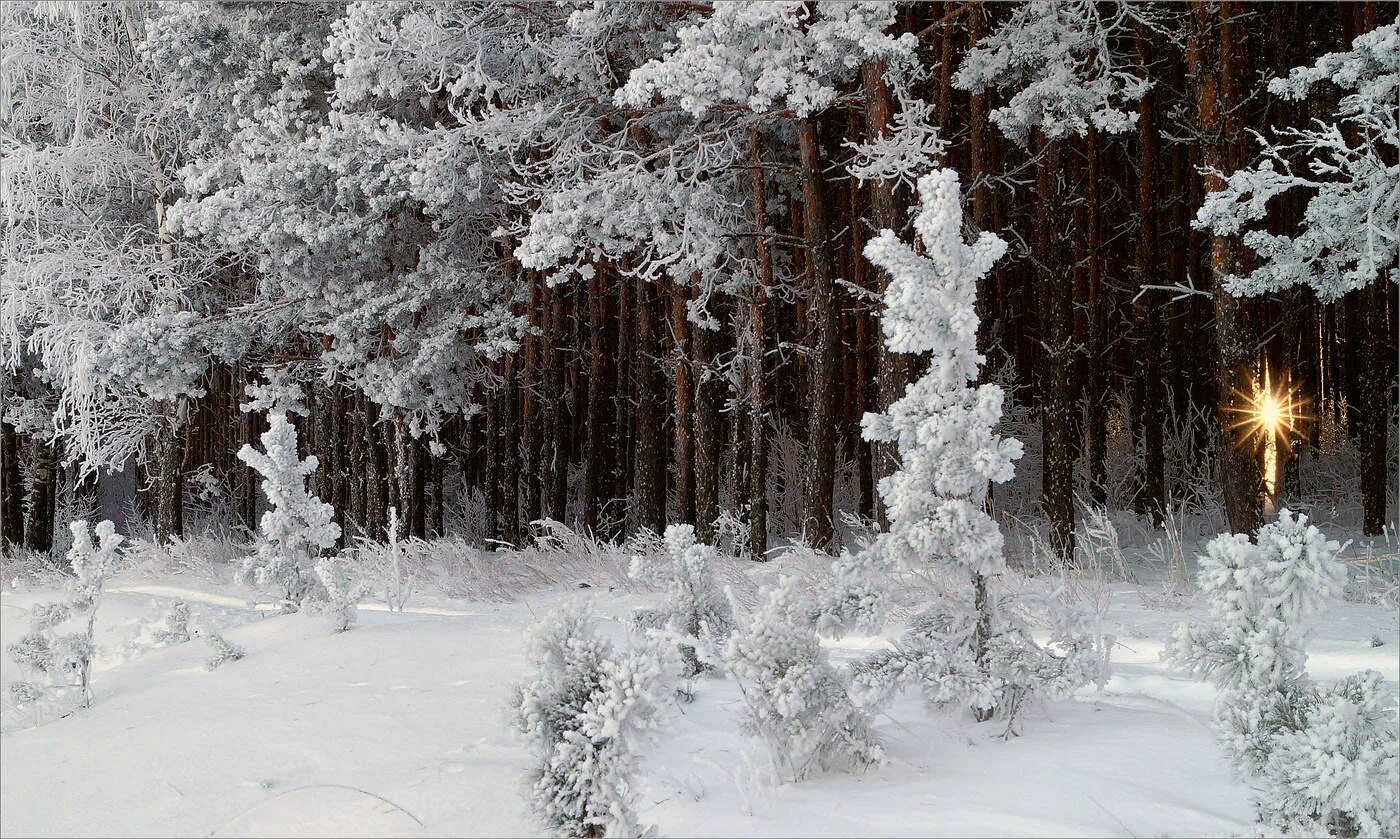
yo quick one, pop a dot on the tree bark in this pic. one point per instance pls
(594, 450)
(170, 474)
(1150, 348)
(649, 468)
(1212, 63)
(1056, 301)
(556, 479)
(821, 425)
(683, 418)
(707, 443)
(1375, 405)
(38, 524)
(11, 490)
(893, 368)
(758, 359)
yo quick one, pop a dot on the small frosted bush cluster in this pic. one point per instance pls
(696, 610)
(798, 705)
(343, 589)
(584, 711)
(1325, 759)
(57, 662)
(175, 629)
(223, 651)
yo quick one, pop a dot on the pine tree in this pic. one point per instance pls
(298, 526)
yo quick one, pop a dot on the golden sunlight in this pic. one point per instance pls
(1274, 415)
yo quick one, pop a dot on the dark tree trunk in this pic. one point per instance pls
(683, 419)
(1153, 500)
(1213, 65)
(38, 524)
(893, 368)
(821, 425)
(556, 484)
(758, 360)
(649, 469)
(594, 451)
(707, 443)
(1374, 417)
(170, 473)
(11, 491)
(1056, 301)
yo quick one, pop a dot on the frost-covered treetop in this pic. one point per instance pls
(945, 430)
(1055, 59)
(1291, 570)
(765, 55)
(930, 297)
(297, 521)
(1347, 237)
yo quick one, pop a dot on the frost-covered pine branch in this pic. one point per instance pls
(1056, 58)
(1348, 164)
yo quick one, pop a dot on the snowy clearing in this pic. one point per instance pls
(398, 728)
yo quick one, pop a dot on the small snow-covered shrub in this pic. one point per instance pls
(343, 590)
(56, 662)
(175, 629)
(298, 526)
(584, 710)
(1325, 760)
(797, 705)
(224, 650)
(695, 609)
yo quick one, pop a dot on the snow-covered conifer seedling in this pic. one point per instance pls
(1325, 758)
(56, 654)
(584, 712)
(298, 525)
(796, 703)
(962, 649)
(696, 611)
(175, 627)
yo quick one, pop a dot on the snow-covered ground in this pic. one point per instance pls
(398, 728)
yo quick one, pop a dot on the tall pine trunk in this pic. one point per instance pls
(1056, 301)
(707, 440)
(11, 492)
(682, 417)
(821, 425)
(1210, 55)
(1153, 500)
(594, 451)
(170, 472)
(758, 358)
(649, 463)
(893, 368)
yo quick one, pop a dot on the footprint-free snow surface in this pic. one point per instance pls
(398, 728)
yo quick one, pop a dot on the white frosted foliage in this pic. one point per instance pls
(584, 711)
(1324, 759)
(298, 525)
(944, 428)
(696, 610)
